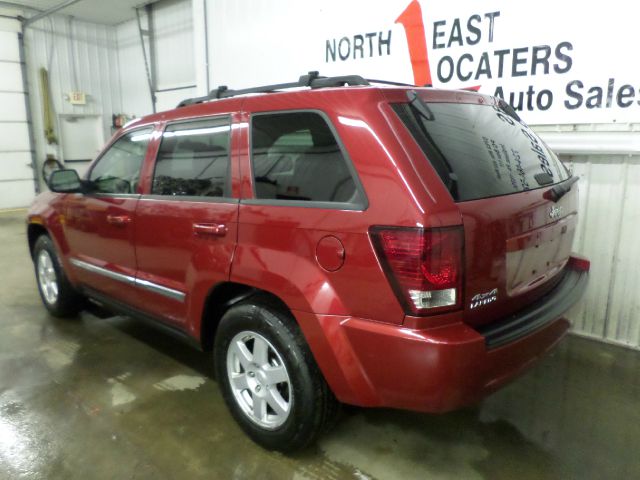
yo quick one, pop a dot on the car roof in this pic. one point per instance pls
(282, 100)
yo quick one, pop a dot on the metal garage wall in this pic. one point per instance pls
(16, 172)
(607, 159)
(608, 233)
(174, 58)
(134, 86)
(170, 58)
(79, 56)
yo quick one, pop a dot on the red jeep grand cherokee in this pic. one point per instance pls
(381, 246)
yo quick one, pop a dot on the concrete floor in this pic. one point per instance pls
(112, 398)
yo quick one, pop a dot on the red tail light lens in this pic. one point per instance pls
(424, 266)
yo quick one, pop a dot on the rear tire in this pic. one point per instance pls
(269, 378)
(58, 295)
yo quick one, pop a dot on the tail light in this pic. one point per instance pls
(424, 266)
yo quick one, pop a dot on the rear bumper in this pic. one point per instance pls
(539, 313)
(437, 369)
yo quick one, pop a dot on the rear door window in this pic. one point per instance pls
(193, 159)
(296, 157)
(480, 151)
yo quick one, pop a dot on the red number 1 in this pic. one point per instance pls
(411, 20)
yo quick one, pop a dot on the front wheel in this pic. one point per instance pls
(58, 295)
(269, 379)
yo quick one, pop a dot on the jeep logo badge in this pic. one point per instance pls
(555, 212)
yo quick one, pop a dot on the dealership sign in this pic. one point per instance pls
(556, 62)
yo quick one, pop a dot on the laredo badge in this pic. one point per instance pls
(482, 299)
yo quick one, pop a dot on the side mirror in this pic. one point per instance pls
(65, 181)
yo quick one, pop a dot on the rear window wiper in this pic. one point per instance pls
(421, 107)
(543, 178)
(509, 110)
(560, 190)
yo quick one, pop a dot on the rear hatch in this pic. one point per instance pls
(499, 172)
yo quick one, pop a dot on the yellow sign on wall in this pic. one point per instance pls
(77, 98)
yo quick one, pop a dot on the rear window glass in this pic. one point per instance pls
(295, 156)
(480, 151)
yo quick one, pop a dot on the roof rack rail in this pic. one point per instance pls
(312, 79)
(388, 82)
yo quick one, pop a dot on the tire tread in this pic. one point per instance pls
(70, 302)
(325, 409)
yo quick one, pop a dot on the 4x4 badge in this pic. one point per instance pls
(482, 299)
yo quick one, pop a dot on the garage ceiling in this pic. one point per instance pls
(108, 12)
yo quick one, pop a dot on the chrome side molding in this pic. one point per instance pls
(160, 290)
(129, 280)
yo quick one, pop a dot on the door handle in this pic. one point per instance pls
(215, 229)
(119, 220)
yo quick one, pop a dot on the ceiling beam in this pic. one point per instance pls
(17, 6)
(48, 12)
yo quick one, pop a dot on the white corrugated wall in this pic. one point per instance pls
(136, 99)
(607, 159)
(173, 32)
(172, 63)
(174, 44)
(609, 234)
(79, 56)
(107, 63)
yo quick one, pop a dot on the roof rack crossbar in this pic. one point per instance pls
(312, 79)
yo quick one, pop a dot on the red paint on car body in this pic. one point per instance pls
(371, 351)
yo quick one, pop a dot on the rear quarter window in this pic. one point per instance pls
(296, 157)
(479, 151)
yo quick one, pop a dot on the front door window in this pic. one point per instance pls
(118, 170)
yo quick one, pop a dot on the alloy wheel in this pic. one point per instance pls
(259, 380)
(47, 278)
